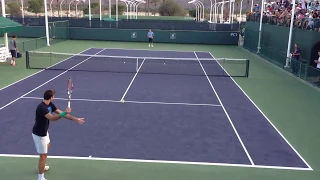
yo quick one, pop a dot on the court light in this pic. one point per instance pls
(69, 15)
(131, 4)
(61, 8)
(198, 12)
(136, 6)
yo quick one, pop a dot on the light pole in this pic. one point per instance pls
(46, 21)
(50, 7)
(201, 4)
(198, 10)
(22, 12)
(241, 11)
(139, 2)
(61, 8)
(130, 4)
(69, 15)
(210, 11)
(4, 15)
(126, 2)
(77, 6)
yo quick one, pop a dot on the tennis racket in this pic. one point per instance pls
(70, 89)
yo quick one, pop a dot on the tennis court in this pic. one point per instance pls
(179, 107)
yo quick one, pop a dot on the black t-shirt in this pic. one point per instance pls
(41, 125)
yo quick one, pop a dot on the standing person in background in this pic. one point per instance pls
(13, 50)
(150, 36)
(318, 67)
(295, 59)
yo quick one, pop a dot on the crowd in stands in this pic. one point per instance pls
(278, 12)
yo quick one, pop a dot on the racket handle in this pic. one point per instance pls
(69, 104)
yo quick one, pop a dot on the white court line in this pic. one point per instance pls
(46, 82)
(225, 111)
(159, 50)
(137, 102)
(132, 80)
(266, 117)
(41, 71)
(157, 161)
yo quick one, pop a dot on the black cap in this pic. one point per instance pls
(48, 94)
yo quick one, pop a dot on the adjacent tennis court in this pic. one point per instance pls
(178, 107)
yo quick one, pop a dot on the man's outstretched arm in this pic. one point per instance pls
(68, 116)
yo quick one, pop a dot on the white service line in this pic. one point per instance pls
(225, 111)
(132, 80)
(47, 82)
(137, 102)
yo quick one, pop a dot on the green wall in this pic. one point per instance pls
(30, 32)
(161, 36)
(189, 37)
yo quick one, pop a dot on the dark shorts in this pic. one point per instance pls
(13, 53)
(150, 40)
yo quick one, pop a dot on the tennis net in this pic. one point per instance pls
(147, 65)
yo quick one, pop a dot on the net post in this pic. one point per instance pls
(50, 58)
(23, 46)
(27, 60)
(223, 65)
(247, 67)
(137, 65)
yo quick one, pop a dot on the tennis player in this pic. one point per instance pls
(40, 129)
(150, 36)
(13, 50)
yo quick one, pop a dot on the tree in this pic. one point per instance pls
(171, 8)
(94, 7)
(121, 9)
(36, 6)
(155, 5)
(192, 12)
(14, 8)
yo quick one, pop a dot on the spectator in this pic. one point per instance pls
(295, 59)
(306, 13)
(318, 67)
(317, 7)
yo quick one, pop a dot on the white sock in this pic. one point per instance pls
(40, 176)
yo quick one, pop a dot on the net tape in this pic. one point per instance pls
(128, 64)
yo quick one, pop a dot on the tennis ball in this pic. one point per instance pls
(124, 62)
(122, 101)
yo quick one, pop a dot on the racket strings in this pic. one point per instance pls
(70, 86)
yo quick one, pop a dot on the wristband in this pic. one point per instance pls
(63, 114)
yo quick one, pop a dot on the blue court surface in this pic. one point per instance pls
(187, 119)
